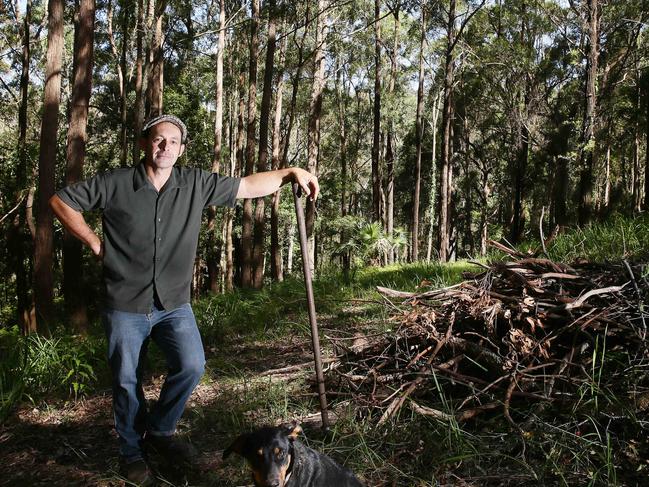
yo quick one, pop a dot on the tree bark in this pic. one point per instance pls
(390, 141)
(520, 167)
(138, 116)
(262, 162)
(75, 155)
(43, 251)
(445, 183)
(18, 242)
(246, 233)
(123, 107)
(120, 58)
(212, 254)
(239, 150)
(419, 127)
(433, 178)
(276, 267)
(588, 139)
(376, 112)
(286, 142)
(646, 160)
(315, 110)
(155, 86)
(341, 95)
(637, 165)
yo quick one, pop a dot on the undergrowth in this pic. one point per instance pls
(599, 440)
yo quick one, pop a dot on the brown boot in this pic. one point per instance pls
(137, 473)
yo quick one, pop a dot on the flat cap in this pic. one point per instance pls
(166, 118)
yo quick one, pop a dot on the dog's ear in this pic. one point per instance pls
(293, 430)
(236, 446)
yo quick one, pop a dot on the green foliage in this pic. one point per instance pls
(33, 367)
(368, 243)
(618, 238)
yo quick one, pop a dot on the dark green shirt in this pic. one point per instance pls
(150, 237)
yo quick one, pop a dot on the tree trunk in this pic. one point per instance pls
(390, 142)
(18, 241)
(43, 251)
(315, 110)
(291, 246)
(341, 94)
(76, 152)
(275, 245)
(433, 179)
(212, 263)
(588, 140)
(286, 143)
(230, 270)
(484, 212)
(120, 58)
(155, 85)
(445, 183)
(376, 169)
(246, 233)
(139, 82)
(637, 165)
(419, 127)
(262, 162)
(646, 160)
(123, 107)
(520, 169)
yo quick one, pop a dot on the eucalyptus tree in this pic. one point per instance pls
(587, 151)
(262, 161)
(18, 237)
(44, 245)
(75, 155)
(450, 18)
(315, 113)
(247, 230)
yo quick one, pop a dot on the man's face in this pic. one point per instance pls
(163, 146)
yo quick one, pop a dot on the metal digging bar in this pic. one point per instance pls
(315, 340)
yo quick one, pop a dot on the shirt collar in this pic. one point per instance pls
(140, 179)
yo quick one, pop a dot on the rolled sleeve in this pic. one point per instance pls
(86, 195)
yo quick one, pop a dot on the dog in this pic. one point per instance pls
(278, 459)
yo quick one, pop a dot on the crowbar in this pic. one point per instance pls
(315, 339)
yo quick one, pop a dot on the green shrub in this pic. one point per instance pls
(34, 366)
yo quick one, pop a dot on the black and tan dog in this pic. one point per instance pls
(278, 459)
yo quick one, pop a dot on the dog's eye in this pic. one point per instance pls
(280, 454)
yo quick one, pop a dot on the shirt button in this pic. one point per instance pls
(159, 219)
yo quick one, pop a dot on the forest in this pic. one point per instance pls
(444, 134)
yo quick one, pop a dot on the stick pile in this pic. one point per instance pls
(528, 329)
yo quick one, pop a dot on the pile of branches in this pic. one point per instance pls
(527, 328)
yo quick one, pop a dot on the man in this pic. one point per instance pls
(151, 222)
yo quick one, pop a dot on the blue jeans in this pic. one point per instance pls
(176, 335)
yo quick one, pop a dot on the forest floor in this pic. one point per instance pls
(72, 443)
(259, 371)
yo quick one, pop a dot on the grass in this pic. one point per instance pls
(599, 438)
(615, 239)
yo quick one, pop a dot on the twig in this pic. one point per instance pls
(593, 292)
(293, 368)
(545, 251)
(398, 402)
(20, 201)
